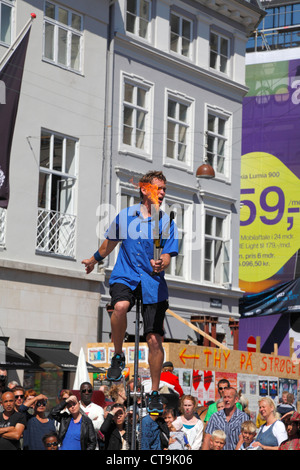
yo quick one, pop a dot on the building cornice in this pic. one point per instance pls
(50, 270)
(245, 12)
(144, 49)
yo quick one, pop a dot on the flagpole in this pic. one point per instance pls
(20, 35)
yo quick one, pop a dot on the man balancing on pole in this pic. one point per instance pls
(137, 273)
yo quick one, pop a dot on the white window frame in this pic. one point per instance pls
(182, 210)
(63, 173)
(138, 20)
(70, 33)
(132, 148)
(9, 4)
(180, 36)
(217, 275)
(213, 140)
(133, 198)
(64, 218)
(178, 124)
(220, 57)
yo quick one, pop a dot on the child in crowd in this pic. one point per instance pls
(248, 433)
(220, 404)
(50, 441)
(218, 440)
(177, 440)
(177, 437)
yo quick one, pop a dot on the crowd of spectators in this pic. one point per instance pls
(76, 422)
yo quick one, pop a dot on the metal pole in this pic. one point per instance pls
(18, 38)
(135, 373)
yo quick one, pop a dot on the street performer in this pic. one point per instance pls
(137, 273)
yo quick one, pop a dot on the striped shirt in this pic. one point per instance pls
(232, 428)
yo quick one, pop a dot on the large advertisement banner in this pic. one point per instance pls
(270, 196)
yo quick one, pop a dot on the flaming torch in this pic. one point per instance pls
(159, 238)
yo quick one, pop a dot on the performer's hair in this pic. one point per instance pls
(149, 177)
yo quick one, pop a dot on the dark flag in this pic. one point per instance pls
(11, 79)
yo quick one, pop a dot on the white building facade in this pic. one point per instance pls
(49, 226)
(177, 74)
(111, 91)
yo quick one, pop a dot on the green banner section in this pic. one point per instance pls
(271, 78)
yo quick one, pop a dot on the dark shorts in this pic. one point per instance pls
(153, 314)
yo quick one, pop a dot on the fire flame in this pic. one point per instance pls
(152, 191)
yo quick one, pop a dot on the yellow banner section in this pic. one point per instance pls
(270, 216)
(203, 358)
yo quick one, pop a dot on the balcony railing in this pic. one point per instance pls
(274, 39)
(56, 233)
(2, 226)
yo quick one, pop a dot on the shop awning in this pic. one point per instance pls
(62, 358)
(11, 360)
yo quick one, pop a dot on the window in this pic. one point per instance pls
(217, 250)
(62, 37)
(217, 142)
(219, 52)
(279, 29)
(128, 200)
(178, 265)
(6, 7)
(56, 196)
(181, 35)
(178, 127)
(136, 115)
(138, 16)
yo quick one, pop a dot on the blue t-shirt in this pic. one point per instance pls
(35, 431)
(150, 439)
(72, 437)
(133, 263)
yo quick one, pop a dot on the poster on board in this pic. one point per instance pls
(198, 383)
(247, 385)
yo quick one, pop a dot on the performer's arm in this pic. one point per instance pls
(105, 249)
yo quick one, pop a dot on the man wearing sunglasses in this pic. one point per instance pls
(91, 409)
(12, 423)
(19, 393)
(222, 385)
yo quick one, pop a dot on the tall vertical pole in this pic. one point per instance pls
(135, 373)
(18, 38)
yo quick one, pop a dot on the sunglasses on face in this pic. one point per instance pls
(51, 444)
(19, 397)
(70, 404)
(41, 403)
(86, 390)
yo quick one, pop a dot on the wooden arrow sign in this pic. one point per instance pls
(183, 356)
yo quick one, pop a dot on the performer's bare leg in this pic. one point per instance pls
(119, 324)
(155, 358)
